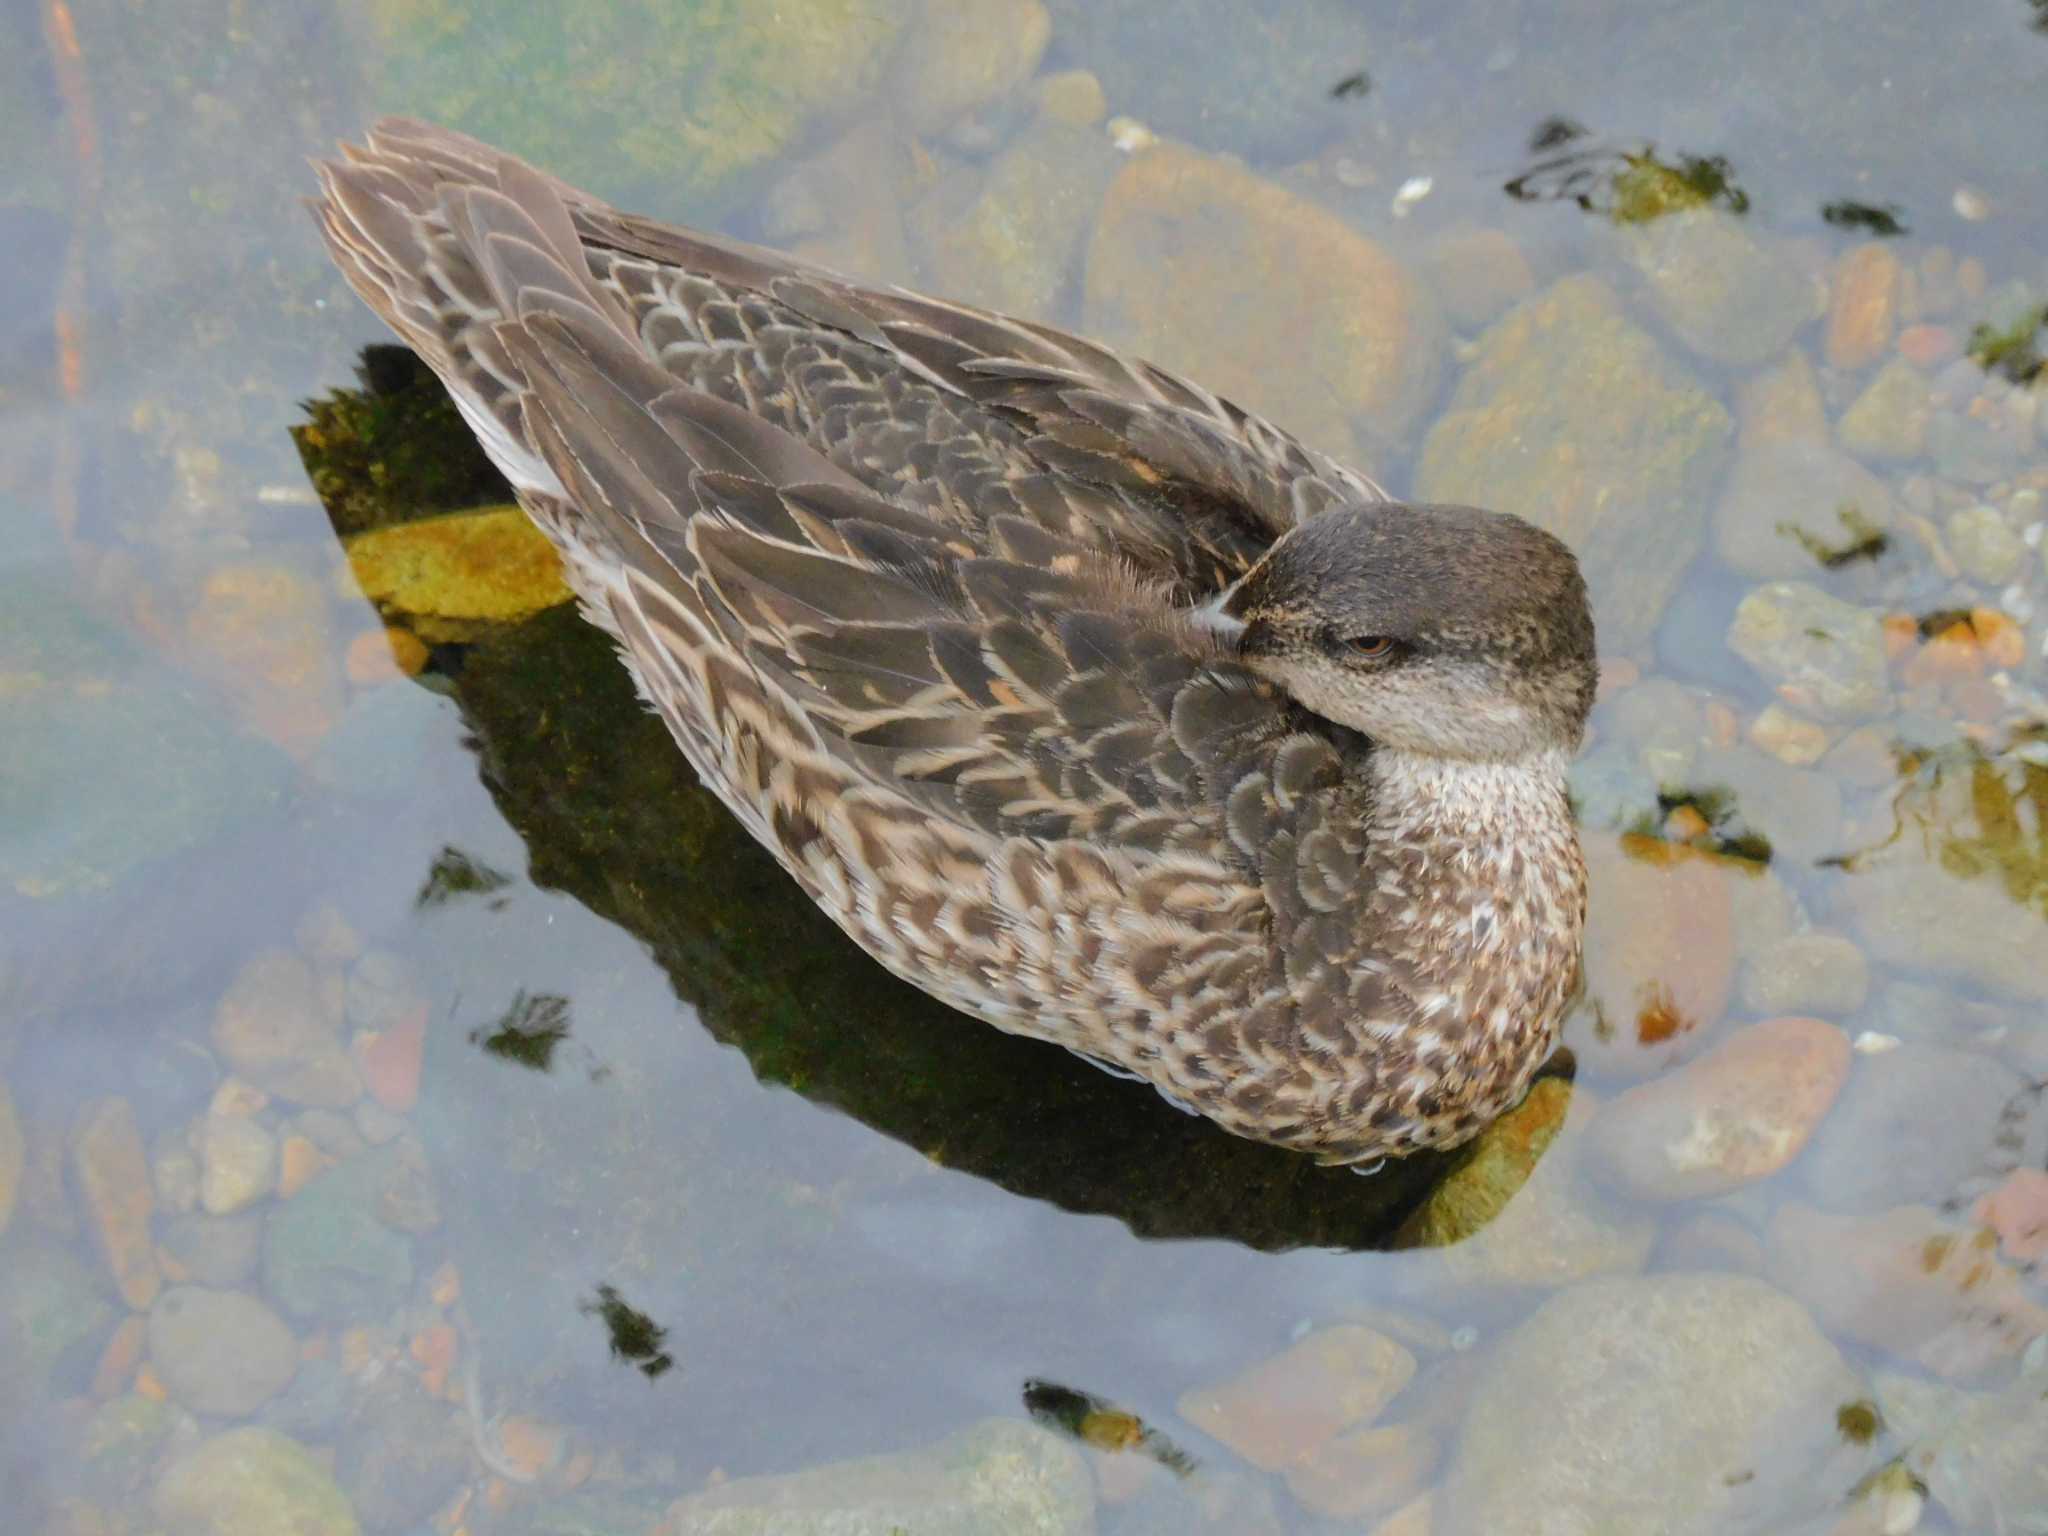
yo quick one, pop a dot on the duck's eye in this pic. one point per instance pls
(1372, 647)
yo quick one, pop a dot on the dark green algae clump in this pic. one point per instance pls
(612, 814)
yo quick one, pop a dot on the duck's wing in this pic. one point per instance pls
(967, 414)
(1010, 767)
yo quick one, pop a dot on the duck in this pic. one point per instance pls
(1103, 710)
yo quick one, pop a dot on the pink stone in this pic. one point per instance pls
(1737, 1114)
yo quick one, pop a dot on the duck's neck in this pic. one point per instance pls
(1486, 856)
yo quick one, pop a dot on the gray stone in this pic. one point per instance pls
(1821, 973)
(1943, 1104)
(964, 56)
(219, 1251)
(997, 1478)
(220, 1353)
(401, 1455)
(252, 1482)
(1790, 504)
(1796, 811)
(1888, 421)
(1666, 1404)
(1620, 463)
(1987, 550)
(55, 1313)
(1725, 292)
(1982, 1455)
(1829, 652)
(1917, 914)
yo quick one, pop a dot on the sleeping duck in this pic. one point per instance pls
(1097, 707)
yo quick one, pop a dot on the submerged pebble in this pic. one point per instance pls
(221, 1353)
(1283, 1411)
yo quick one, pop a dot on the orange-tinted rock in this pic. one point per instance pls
(1365, 1472)
(119, 1360)
(13, 1156)
(2017, 1210)
(1659, 956)
(113, 1179)
(390, 1060)
(383, 655)
(1269, 300)
(260, 633)
(1865, 307)
(1909, 1282)
(298, 1160)
(2003, 641)
(529, 1447)
(1282, 1411)
(1950, 657)
(1737, 1114)
(1929, 346)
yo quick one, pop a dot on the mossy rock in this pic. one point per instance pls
(689, 97)
(445, 577)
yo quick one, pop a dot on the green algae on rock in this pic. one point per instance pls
(1572, 417)
(393, 448)
(252, 1482)
(443, 577)
(686, 97)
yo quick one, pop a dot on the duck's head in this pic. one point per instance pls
(1445, 631)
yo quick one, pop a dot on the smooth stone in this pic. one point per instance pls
(252, 1482)
(1725, 293)
(963, 56)
(1735, 1115)
(1888, 422)
(1864, 308)
(1908, 907)
(55, 1315)
(1659, 955)
(1988, 551)
(237, 1163)
(220, 1353)
(1791, 738)
(1657, 1405)
(1621, 465)
(1365, 1473)
(273, 1030)
(1479, 274)
(1554, 1228)
(174, 1172)
(13, 1156)
(1282, 1411)
(1787, 500)
(381, 993)
(1821, 973)
(115, 1185)
(1017, 246)
(329, 1251)
(401, 1455)
(1783, 403)
(1796, 812)
(220, 1251)
(259, 631)
(1274, 302)
(1001, 1477)
(122, 1441)
(1982, 1455)
(1948, 1106)
(1809, 643)
(1907, 1282)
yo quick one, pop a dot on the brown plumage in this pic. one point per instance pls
(1097, 707)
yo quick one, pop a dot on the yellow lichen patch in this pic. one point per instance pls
(447, 577)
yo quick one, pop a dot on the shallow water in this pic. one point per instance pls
(421, 1109)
